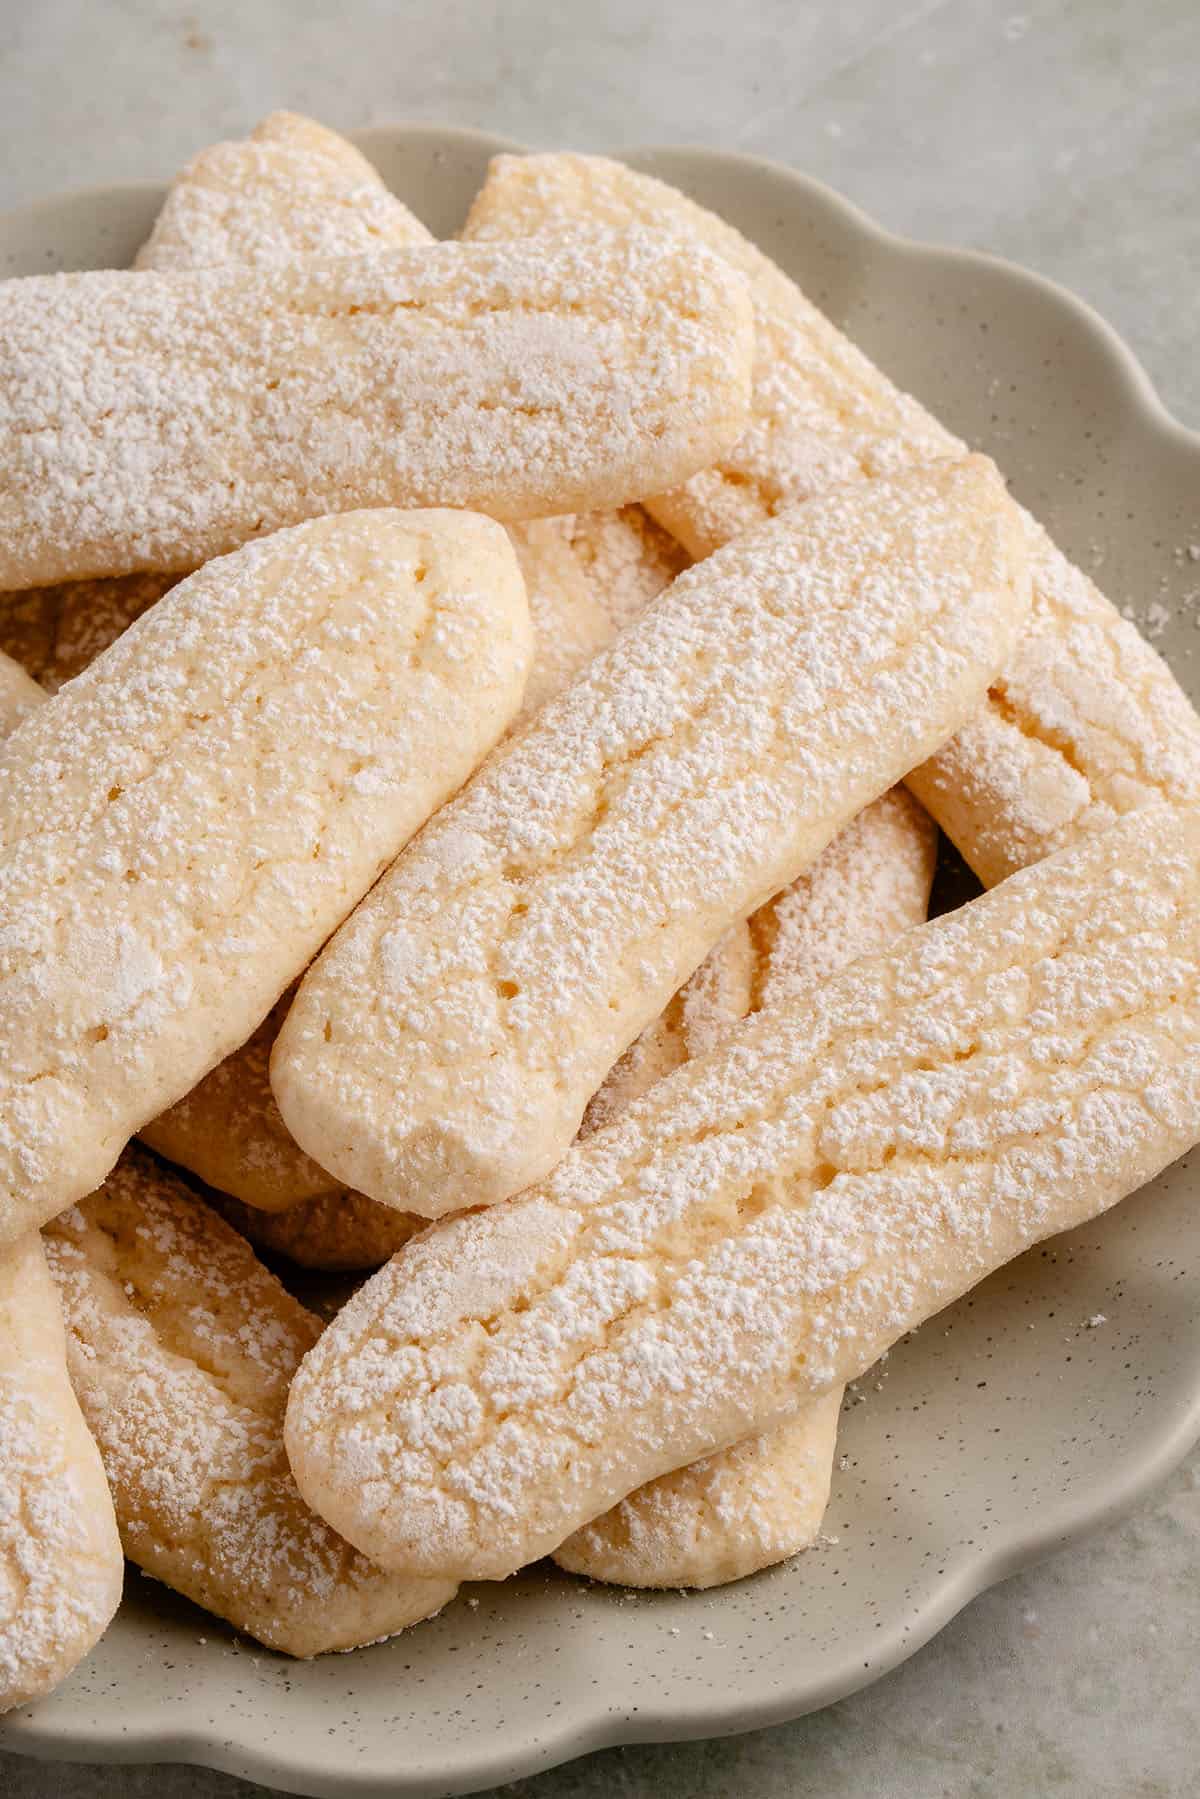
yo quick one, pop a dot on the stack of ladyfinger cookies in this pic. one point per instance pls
(478, 717)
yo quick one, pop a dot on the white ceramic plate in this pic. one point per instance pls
(1005, 1427)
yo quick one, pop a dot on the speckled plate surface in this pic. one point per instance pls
(1040, 1406)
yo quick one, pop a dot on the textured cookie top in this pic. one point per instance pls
(442, 1050)
(290, 189)
(761, 1225)
(60, 1562)
(183, 825)
(743, 1508)
(587, 575)
(154, 420)
(182, 1347)
(1085, 723)
(820, 413)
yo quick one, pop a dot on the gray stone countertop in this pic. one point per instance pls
(1062, 133)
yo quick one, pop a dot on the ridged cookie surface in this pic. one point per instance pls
(181, 1348)
(821, 413)
(760, 1226)
(1086, 722)
(585, 576)
(184, 824)
(441, 1051)
(156, 420)
(745, 1508)
(61, 1565)
(292, 188)
(721, 1518)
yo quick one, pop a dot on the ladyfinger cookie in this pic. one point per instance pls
(871, 883)
(290, 189)
(759, 1227)
(748, 1507)
(184, 824)
(295, 189)
(155, 420)
(61, 1565)
(181, 1348)
(821, 413)
(1085, 723)
(874, 875)
(441, 1051)
(719, 1519)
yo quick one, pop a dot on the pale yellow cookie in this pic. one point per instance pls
(338, 1233)
(721, 1518)
(155, 420)
(290, 189)
(441, 1051)
(587, 576)
(181, 1348)
(821, 413)
(719, 993)
(1086, 723)
(871, 883)
(745, 1508)
(61, 1565)
(183, 825)
(759, 1227)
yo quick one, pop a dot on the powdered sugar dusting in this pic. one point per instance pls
(181, 1348)
(154, 420)
(1087, 722)
(60, 1561)
(744, 1508)
(290, 189)
(184, 823)
(821, 412)
(689, 772)
(587, 576)
(762, 1224)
